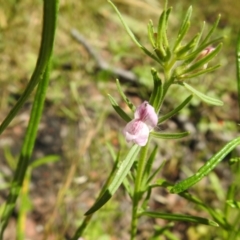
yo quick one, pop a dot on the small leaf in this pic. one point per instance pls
(198, 73)
(117, 179)
(155, 172)
(126, 183)
(180, 217)
(126, 100)
(217, 216)
(130, 33)
(148, 166)
(182, 51)
(202, 96)
(184, 28)
(199, 36)
(211, 30)
(206, 168)
(119, 111)
(169, 135)
(162, 41)
(176, 110)
(157, 92)
(151, 34)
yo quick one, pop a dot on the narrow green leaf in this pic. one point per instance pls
(161, 33)
(191, 56)
(232, 189)
(198, 73)
(200, 64)
(150, 161)
(211, 30)
(126, 100)
(157, 92)
(47, 42)
(151, 34)
(44, 160)
(180, 217)
(184, 28)
(182, 51)
(206, 168)
(111, 175)
(217, 216)
(169, 135)
(119, 111)
(162, 41)
(126, 183)
(130, 33)
(202, 96)
(238, 70)
(162, 45)
(154, 174)
(117, 180)
(148, 166)
(199, 36)
(175, 111)
(233, 204)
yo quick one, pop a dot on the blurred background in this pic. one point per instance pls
(78, 124)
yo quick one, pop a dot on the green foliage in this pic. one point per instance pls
(116, 180)
(178, 60)
(40, 77)
(207, 167)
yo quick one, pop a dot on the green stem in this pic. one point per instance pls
(238, 70)
(47, 42)
(137, 189)
(166, 86)
(26, 151)
(82, 227)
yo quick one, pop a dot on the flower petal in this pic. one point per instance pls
(146, 113)
(136, 131)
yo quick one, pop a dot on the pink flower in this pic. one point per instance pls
(145, 119)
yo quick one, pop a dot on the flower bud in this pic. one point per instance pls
(203, 54)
